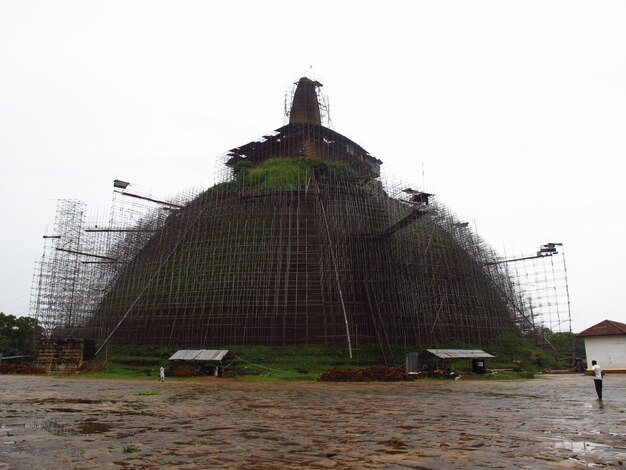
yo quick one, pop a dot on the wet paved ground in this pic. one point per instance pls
(549, 422)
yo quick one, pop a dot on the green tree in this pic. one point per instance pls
(18, 335)
(566, 345)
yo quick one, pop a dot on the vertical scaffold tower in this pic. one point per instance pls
(59, 299)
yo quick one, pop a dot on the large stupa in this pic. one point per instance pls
(304, 243)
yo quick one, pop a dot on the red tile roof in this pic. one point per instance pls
(605, 328)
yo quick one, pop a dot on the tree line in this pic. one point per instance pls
(18, 335)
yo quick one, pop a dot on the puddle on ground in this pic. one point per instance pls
(93, 427)
(53, 427)
(59, 429)
(579, 446)
(80, 401)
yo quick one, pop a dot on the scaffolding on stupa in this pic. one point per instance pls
(542, 286)
(80, 260)
(302, 241)
(100, 254)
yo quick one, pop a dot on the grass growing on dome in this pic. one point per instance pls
(276, 173)
(291, 173)
(284, 172)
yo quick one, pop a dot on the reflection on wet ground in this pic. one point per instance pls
(548, 422)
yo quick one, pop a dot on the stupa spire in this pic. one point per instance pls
(305, 108)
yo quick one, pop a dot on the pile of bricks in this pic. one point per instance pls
(370, 374)
(60, 355)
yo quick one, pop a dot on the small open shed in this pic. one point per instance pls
(441, 359)
(205, 361)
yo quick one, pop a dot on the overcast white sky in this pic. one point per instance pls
(516, 110)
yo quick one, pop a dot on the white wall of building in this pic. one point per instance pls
(609, 351)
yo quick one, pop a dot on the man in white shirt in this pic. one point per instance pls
(597, 378)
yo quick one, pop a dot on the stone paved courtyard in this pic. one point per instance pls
(552, 421)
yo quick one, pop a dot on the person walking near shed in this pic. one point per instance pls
(598, 375)
(161, 374)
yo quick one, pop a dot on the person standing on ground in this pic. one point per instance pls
(161, 374)
(598, 375)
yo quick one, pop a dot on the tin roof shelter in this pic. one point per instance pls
(459, 353)
(430, 359)
(199, 355)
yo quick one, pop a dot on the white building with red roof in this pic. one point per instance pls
(606, 343)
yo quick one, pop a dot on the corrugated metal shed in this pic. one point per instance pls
(184, 355)
(459, 353)
(199, 355)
